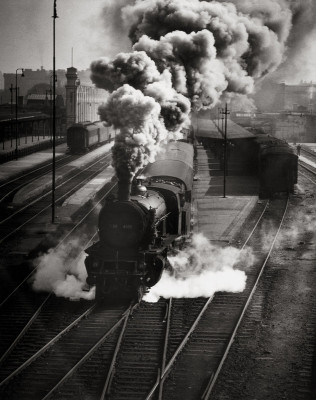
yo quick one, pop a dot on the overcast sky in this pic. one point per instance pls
(27, 34)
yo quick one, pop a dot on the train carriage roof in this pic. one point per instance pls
(175, 162)
(206, 128)
(235, 131)
(87, 125)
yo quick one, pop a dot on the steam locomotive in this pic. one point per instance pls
(149, 217)
(84, 136)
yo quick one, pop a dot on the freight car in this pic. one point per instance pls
(251, 153)
(278, 166)
(84, 136)
(137, 229)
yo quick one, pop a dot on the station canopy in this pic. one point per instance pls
(206, 128)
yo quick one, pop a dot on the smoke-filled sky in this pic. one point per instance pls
(94, 29)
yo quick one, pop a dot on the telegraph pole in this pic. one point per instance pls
(225, 112)
(54, 115)
(16, 110)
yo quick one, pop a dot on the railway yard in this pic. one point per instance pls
(57, 342)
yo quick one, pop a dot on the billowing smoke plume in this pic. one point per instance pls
(202, 269)
(62, 272)
(186, 53)
(301, 54)
(143, 105)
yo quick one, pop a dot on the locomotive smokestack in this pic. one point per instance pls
(124, 190)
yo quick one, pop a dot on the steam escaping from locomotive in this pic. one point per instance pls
(62, 272)
(201, 269)
(186, 54)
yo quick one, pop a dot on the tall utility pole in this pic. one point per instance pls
(54, 115)
(11, 114)
(16, 110)
(225, 112)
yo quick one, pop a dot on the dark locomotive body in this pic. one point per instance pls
(278, 166)
(137, 229)
(84, 136)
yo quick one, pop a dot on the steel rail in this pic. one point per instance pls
(30, 181)
(168, 368)
(46, 346)
(29, 323)
(107, 384)
(214, 377)
(165, 370)
(308, 169)
(164, 356)
(31, 172)
(35, 315)
(255, 227)
(89, 353)
(307, 177)
(46, 194)
(59, 244)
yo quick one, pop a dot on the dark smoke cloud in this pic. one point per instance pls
(253, 32)
(186, 53)
(115, 37)
(143, 105)
(136, 69)
(301, 58)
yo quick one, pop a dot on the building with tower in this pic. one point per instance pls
(82, 101)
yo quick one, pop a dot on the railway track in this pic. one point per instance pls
(142, 354)
(306, 170)
(10, 187)
(158, 344)
(18, 219)
(90, 340)
(19, 304)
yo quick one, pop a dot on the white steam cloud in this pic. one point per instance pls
(202, 269)
(62, 272)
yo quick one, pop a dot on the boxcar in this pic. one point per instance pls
(277, 168)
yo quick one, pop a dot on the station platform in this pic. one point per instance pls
(220, 218)
(15, 168)
(43, 184)
(10, 150)
(85, 196)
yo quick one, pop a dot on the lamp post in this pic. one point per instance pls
(16, 109)
(54, 113)
(11, 114)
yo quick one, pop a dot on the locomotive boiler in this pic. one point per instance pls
(141, 225)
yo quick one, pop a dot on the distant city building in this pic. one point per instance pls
(82, 101)
(297, 98)
(39, 101)
(31, 79)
